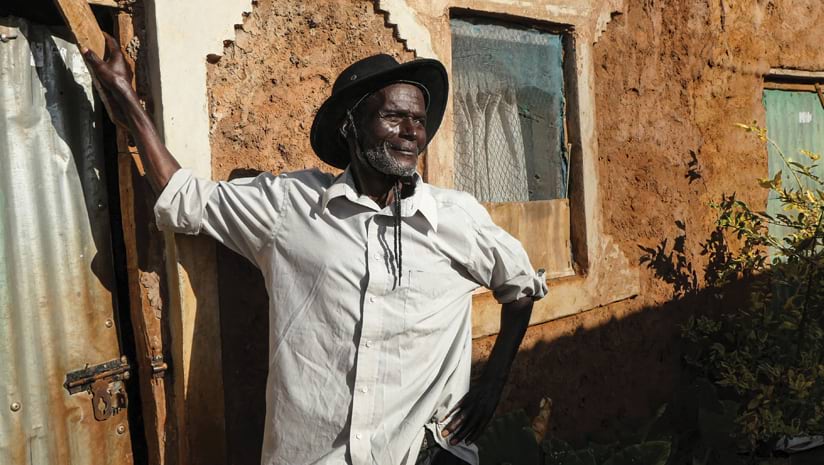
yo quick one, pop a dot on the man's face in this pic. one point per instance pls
(393, 128)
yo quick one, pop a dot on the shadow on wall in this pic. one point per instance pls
(244, 329)
(629, 363)
(622, 369)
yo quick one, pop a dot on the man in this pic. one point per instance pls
(370, 343)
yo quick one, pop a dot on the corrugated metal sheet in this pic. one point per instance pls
(56, 278)
(795, 121)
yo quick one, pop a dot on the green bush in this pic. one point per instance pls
(767, 352)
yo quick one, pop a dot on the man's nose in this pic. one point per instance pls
(409, 128)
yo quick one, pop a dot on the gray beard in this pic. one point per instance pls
(380, 160)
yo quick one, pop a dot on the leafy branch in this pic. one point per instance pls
(766, 352)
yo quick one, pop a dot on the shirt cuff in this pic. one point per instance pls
(526, 285)
(181, 204)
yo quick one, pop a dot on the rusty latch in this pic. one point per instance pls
(105, 383)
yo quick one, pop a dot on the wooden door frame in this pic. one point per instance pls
(143, 243)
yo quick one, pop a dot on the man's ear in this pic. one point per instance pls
(350, 136)
(348, 127)
(344, 129)
(349, 132)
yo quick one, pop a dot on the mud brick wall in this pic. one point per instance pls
(281, 66)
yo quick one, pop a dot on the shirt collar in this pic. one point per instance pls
(422, 199)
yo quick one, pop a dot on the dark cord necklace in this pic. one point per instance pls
(397, 188)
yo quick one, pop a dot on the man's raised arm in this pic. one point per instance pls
(242, 214)
(116, 78)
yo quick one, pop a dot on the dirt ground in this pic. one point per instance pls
(671, 79)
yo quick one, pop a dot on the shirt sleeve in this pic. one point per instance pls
(499, 262)
(243, 214)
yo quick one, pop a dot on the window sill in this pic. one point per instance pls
(610, 279)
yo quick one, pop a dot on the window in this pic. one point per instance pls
(795, 121)
(508, 97)
(509, 132)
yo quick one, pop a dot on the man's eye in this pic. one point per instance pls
(395, 118)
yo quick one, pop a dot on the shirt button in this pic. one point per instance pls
(364, 389)
(377, 256)
(358, 436)
(373, 299)
(368, 343)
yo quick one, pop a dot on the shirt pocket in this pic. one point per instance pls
(434, 315)
(432, 301)
(427, 291)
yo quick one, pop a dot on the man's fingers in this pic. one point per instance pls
(112, 48)
(92, 58)
(467, 427)
(469, 419)
(111, 42)
(455, 408)
(454, 424)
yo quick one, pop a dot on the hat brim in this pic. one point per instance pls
(325, 136)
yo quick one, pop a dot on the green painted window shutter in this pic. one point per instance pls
(795, 121)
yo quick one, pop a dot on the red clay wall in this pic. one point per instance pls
(671, 79)
(265, 90)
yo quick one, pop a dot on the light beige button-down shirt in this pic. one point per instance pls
(357, 365)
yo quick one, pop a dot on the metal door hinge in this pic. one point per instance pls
(105, 383)
(159, 367)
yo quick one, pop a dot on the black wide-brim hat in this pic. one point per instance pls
(365, 77)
